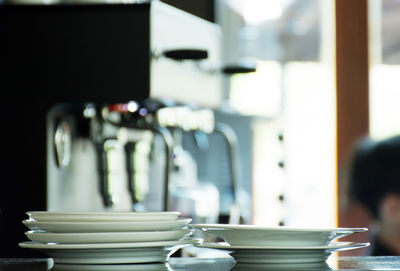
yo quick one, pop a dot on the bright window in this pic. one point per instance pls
(292, 96)
(385, 68)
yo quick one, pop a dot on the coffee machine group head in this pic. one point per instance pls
(99, 156)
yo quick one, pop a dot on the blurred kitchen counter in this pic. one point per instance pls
(222, 264)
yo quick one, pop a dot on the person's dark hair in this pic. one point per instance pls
(375, 172)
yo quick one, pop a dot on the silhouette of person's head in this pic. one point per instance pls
(375, 183)
(375, 175)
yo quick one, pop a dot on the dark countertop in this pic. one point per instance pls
(209, 264)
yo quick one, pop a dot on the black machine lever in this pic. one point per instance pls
(201, 54)
(130, 166)
(238, 68)
(186, 54)
(102, 167)
(103, 171)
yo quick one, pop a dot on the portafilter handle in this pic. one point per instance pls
(103, 170)
(129, 150)
(137, 115)
(130, 169)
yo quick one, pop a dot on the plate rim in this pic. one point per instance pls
(119, 267)
(104, 223)
(131, 245)
(111, 255)
(108, 226)
(169, 235)
(67, 234)
(99, 213)
(277, 228)
(332, 246)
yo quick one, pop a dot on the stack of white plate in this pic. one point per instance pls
(107, 237)
(278, 245)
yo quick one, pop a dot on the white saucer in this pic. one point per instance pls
(282, 254)
(101, 216)
(112, 253)
(280, 266)
(275, 236)
(107, 237)
(68, 227)
(334, 246)
(112, 267)
(140, 245)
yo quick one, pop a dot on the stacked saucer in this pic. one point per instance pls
(114, 267)
(107, 237)
(278, 245)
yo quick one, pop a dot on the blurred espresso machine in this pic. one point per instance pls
(96, 100)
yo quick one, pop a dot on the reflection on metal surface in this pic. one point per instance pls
(62, 144)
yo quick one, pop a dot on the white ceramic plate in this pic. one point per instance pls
(67, 227)
(101, 216)
(281, 254)
(251, 235)
(280, 266)
(107, 237)
(112, 253)
(332, 247)
(112, 267)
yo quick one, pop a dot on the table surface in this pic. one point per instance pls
(212, 264)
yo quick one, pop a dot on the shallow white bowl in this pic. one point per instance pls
(249, 235)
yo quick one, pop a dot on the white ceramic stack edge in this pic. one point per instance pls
(107, 238)
(277, 245)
